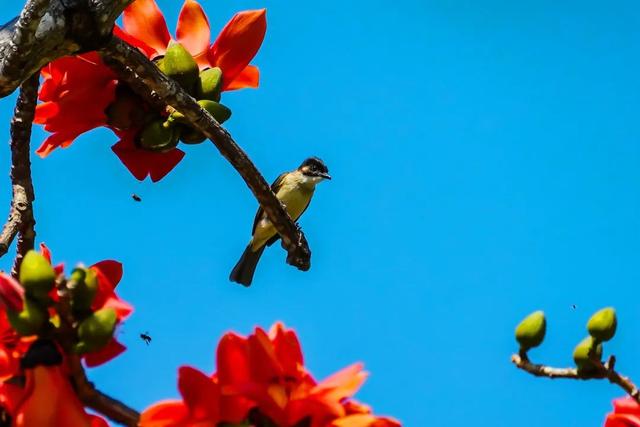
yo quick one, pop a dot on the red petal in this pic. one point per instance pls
(110, 351)
(144, 48)
(169, 413)
(249, 78)
(238, 43)
(232, 359)
(193, 30)
(111, 271)
(143, 163)
(200, 394)
(44, 250)
(144, 21)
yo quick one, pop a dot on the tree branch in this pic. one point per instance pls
(58, 28)
(600, 371)
(133, 67)
(21, 218)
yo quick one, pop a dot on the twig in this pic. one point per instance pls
(88, 394)
(131, 65)
(21, 218)
(600, 371)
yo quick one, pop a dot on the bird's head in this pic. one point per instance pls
(315, 169)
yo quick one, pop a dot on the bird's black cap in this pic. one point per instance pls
(315, 167)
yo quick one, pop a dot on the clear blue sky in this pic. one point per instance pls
(485, 157)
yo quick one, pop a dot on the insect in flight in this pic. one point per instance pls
(136, 197)
(145, 337)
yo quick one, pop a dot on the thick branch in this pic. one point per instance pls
(132, 66)
(599, 372)
(57, 28)
(21, 212)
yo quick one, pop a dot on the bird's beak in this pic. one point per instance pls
(325, 175)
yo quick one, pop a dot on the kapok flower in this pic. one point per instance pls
(81, 93)
(109, 274)
(12, 347)
(261, 379)
(46, 399)
(626, 413)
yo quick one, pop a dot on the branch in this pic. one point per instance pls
(58, 28)
(91, 397)
(132, 66)
(600, 371)
(21, 212)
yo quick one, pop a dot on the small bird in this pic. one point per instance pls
(295, 190)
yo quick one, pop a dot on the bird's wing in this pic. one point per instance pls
(274, 187)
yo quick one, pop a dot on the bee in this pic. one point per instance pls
(145, 337)
(136, 197)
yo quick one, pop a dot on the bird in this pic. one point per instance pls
(294, 189)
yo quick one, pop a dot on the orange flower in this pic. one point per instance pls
(47, 399)
(78, 92)
(262, 379)
(626, 413)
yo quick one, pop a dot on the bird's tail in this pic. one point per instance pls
(243, 271)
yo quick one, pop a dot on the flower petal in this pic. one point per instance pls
(144, 21)
(143, 163)
(134, 41)
(169, 413)
(249, 78)
(193, 30)
(110, 351)
(238, 43)
(111, 271)
(200, 394)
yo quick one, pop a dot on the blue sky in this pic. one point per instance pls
(485, 160)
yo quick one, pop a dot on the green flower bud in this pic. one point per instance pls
(584, 354)
(36, 275)
(158, 136)
(209, 85)
(191, 136)
(30, 320)
(83, 285)
(602, 325)
(217, 110)
(530, 332)
(96, 330)
(178, 64)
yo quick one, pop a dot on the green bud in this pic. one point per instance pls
(96, 330)
(217, 110)
(83, 285)
(209, 85)
(30, 320)
(37, 275)
(530, 332)
(178, 64)
(584, 354)
(191, 136)
(602, 325)
(158, 136)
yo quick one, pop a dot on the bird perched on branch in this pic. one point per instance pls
(295, 190)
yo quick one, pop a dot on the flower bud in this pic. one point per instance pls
(602, 325)
(178, 64)
(158, 136)
(190, 135)
(96, 330)
(217, 110)
(530, 332)
(83, 285)
(30, 320)
(209, 84)
(37, 276)
(585, 353)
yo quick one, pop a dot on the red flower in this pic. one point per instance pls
(77, 91)
(262, 377)
(46, 399)
(109, 274)
(12, 347)
(626, 413)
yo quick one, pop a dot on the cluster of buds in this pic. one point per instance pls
(46, 304)
(587, 355)
(161, 131)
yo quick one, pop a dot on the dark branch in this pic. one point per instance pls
(599, 372)
(133, 67)
(58, 28)
(21, 218)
